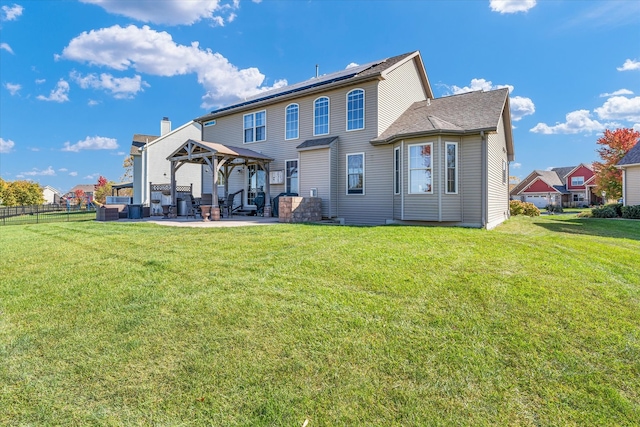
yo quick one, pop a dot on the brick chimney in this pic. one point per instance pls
(165, 126)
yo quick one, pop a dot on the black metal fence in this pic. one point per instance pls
(35, 214)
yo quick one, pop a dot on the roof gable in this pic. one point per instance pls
(469, 112)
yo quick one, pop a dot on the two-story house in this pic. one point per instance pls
(571, 186)
(630, 166)
(372, 142)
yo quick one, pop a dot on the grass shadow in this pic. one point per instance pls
(616, 228)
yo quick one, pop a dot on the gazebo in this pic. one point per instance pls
(219, 157)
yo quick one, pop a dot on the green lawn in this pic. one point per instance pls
(534, 323)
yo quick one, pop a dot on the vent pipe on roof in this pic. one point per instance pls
(165, 126)
(428, 101)
(317, 70)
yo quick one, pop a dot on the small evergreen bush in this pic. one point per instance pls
(604, 212)
(631, 212)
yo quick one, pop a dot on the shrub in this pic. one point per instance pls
(617, 207)
(585, 214)
(604, 212)
(531, 210)
(554, 209)
(516, 208)
(631, 212)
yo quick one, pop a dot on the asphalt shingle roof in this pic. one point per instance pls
(472, 111)
(632, 157)
(317, 143)
(140, 140)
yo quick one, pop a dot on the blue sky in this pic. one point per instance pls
(79, 78)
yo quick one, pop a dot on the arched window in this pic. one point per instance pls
(321, 116)
(291, 122)
(355, 109)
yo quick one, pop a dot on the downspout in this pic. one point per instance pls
(439, 175)
(483, 179)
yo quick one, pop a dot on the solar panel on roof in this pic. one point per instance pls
(321, 80)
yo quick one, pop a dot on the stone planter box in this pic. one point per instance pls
(299, 209)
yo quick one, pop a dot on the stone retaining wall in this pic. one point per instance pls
(299, 209)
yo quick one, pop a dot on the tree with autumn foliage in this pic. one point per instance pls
(615, 145)
(80, 197)
(102, 190)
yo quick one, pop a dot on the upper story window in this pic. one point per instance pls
(255, 127)
(577, 181)
(321, 116)
(291, 122)
(420, 169)
(452, 168)
(355, 109)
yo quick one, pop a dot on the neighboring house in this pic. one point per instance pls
(373, 143)
(88, 193)
(150, 164)
(51, 195)
(571, 186)
(630, 166)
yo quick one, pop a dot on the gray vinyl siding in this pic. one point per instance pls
(451, 203)
(315, 172)
(397, 198)
(498, 189)
(470, 175)
(632, 185)
(421, 207)
(375, 206)
(397, 92)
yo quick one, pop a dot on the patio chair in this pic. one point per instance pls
(192, 207)
(228, 205)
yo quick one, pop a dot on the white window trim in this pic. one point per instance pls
(254, 126)
(285, 122)
(409, 167)
(328, 116)
(577, 185)
(347, 111)
(446, 168)
(286, 169)
(397, 182)
(347, 174)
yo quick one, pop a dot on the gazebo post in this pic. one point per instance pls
(215, 209)
(174, 202)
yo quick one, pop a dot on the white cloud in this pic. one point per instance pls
(37, 172)
(6, 47)
(152, 52)
(73, 173)
(171, 12)
(478, 84)
(92, 102)
(629, 64)
(59, 94)
(40, 81)
(620, 108)
(13, 88)
(6, 145)
(616, 93)
(92, 143)
(576, 122)
(636, 127)
(92, 176)
(520, 106)
(516, 166)
(351, 65)
(11, 13)
(511, 6)
(120, 88)
(63, 170)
